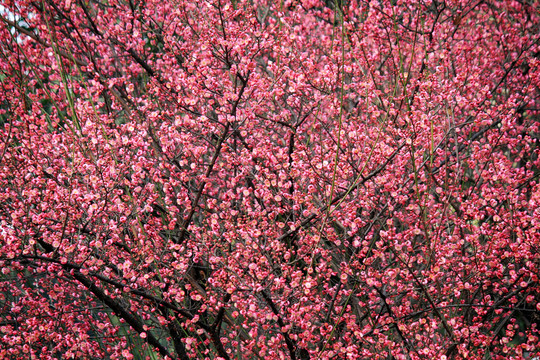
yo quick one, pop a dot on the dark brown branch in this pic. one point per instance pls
(383, 297)
(119, 310)
(216, 326)
(219, 145)
(290, 343)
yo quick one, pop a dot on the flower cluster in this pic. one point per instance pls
(296, 179)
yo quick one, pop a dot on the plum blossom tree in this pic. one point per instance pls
(294, 179)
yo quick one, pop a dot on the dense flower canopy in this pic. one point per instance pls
(294, 179)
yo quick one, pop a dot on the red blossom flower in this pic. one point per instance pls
(299, 179)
